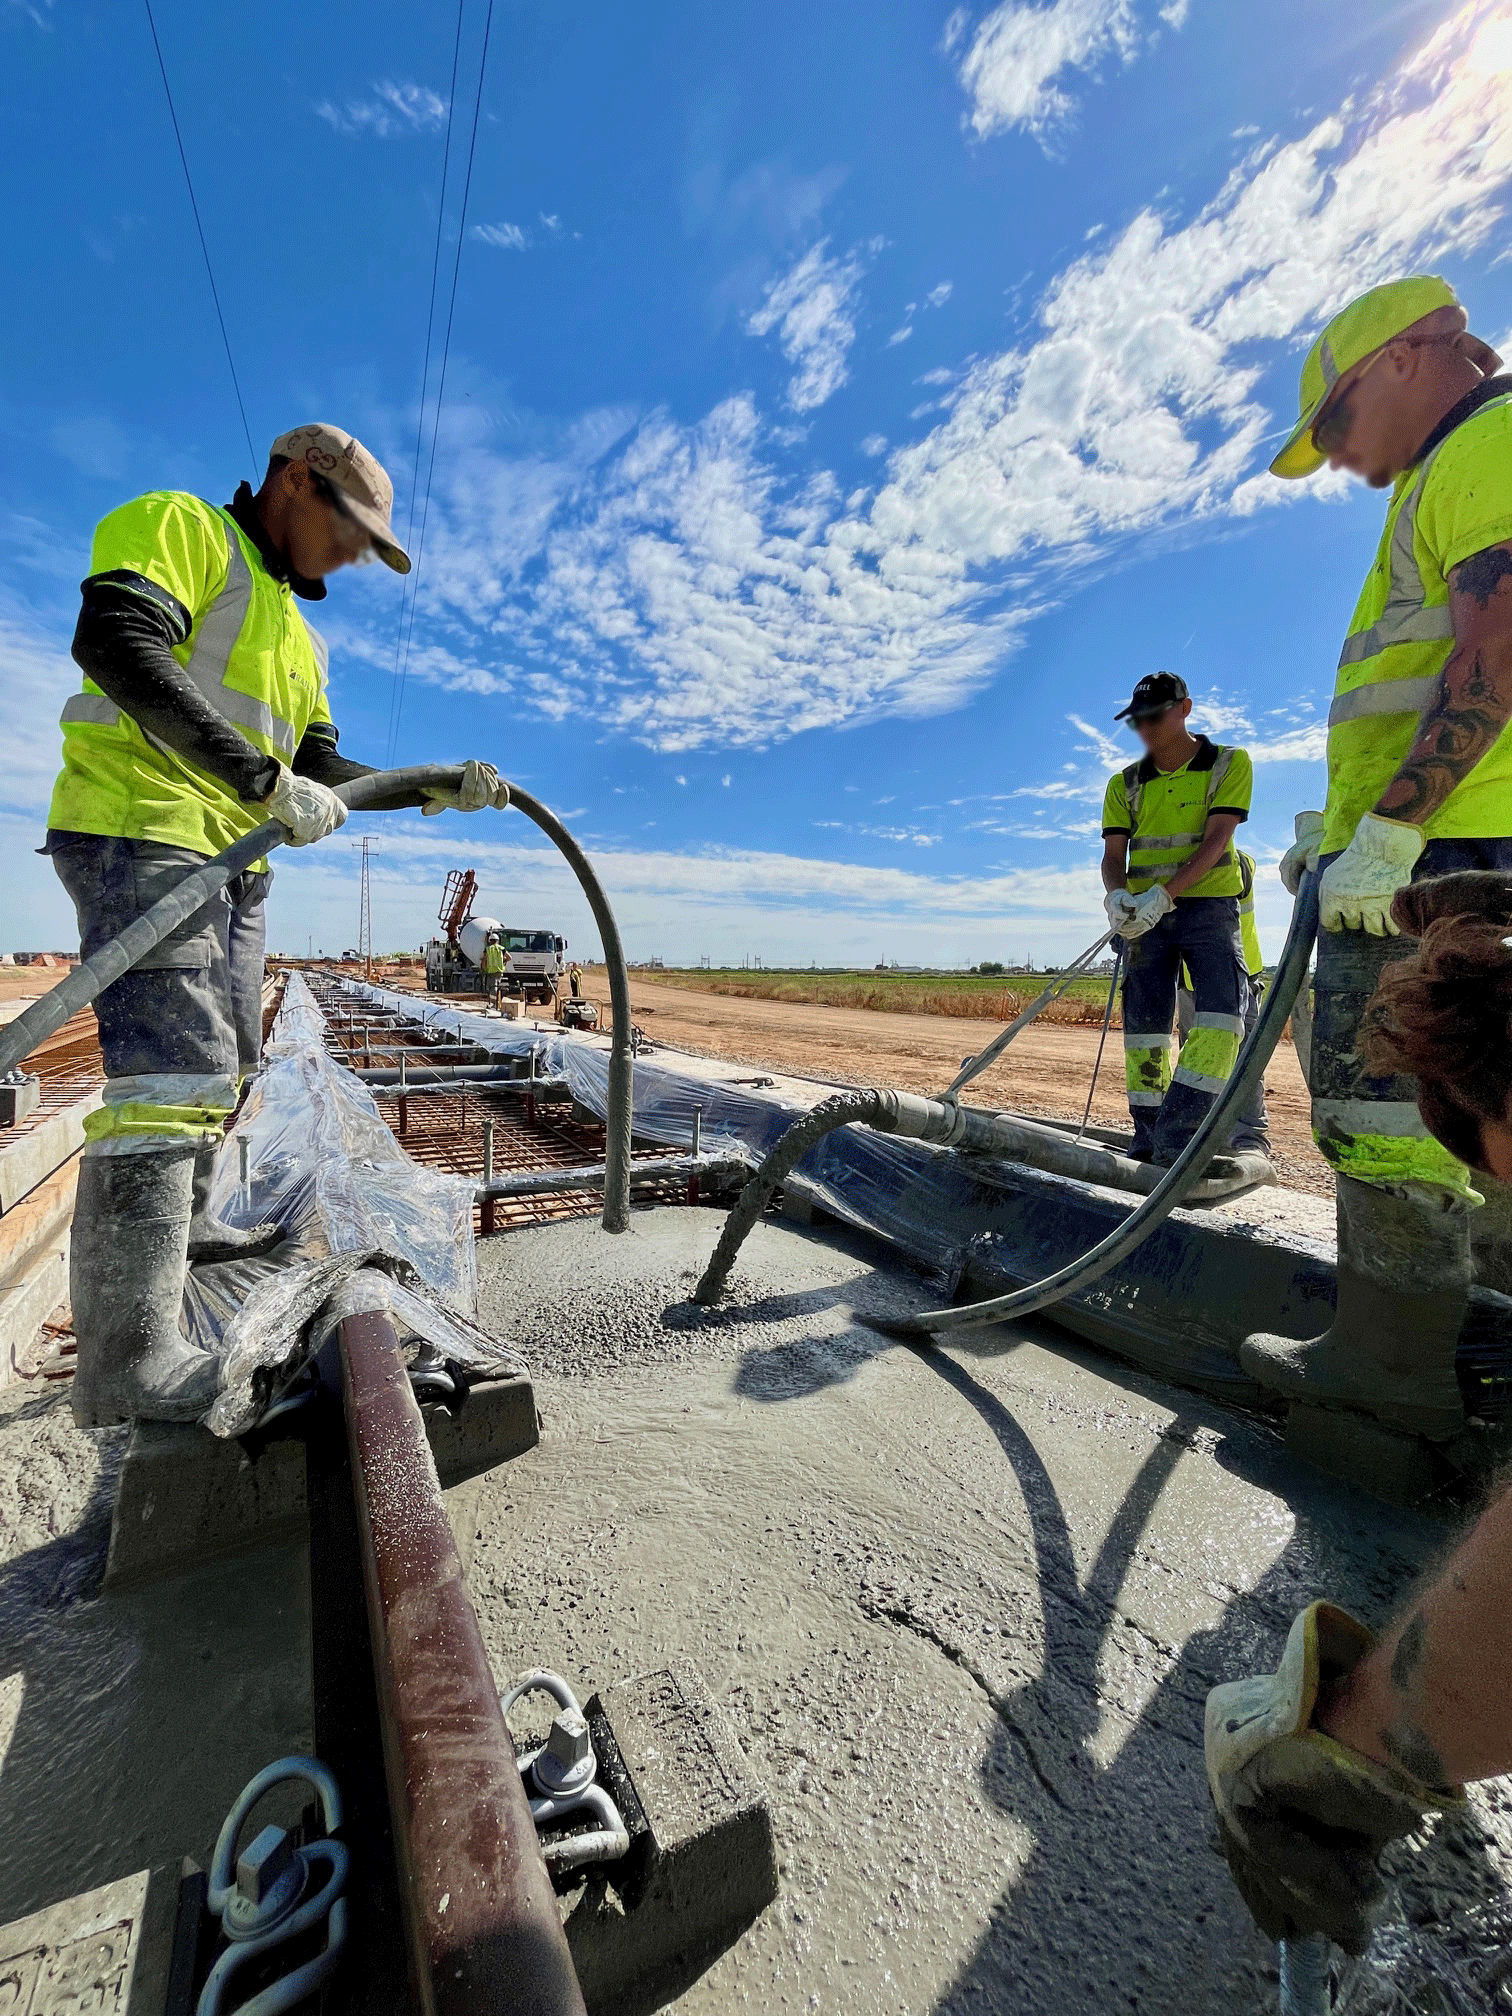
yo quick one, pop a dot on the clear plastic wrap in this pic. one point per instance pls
(322, 1165)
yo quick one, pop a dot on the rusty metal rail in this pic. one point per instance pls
(481, 1921)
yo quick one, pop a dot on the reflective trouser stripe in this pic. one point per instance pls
(1384, 1141)
(162, 1106)
(1147, 1067)
(1207, 1055)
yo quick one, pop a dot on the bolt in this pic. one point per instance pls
(263, 1862)
(569, 1745)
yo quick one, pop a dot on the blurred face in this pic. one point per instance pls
(320, 535)
(1372, 426)
(1163, 731)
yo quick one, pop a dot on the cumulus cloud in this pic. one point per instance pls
(811, 309)
(1013, 66)
(390, 111)
(674, 583)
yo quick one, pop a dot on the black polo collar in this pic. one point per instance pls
(1460, 412)
(243, 508)
(1205, 758)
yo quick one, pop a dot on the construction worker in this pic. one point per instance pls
(1251, 1131)
(575, 980)
(493, 966)
(1355, 1739)
(203, 712)
(1396, 391)
(1173, 879)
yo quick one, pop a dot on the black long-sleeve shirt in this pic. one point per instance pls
(124, 642)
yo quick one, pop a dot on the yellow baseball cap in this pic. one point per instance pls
(1369, 321)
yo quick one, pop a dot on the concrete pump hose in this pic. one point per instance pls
(93, 975)
(871, 1107)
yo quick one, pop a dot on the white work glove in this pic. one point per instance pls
(1147, 912)
(1303, 854)
(1119, 905)
(1356, 890)
(480, 788)
(306, 810)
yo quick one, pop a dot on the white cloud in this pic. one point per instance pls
(508, 237)
(39, 676)
(392, 110)
(938, 296)
(900, 335)
(874, 444)
(812, 309)
(682, 590)
(1011, 70)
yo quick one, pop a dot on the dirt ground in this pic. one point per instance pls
(1045, 1072)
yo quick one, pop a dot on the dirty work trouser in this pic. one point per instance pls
(1367, 1127)
(1252, 1128)
(182, 1029)
(1168, 1107)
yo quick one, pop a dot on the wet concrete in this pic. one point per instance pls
(962, 1607)
(128, 1724)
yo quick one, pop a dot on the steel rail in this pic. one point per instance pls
(481, 1922)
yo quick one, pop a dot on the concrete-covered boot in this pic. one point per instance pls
(126, 1275)
(211, 1238)
(1403, 1287)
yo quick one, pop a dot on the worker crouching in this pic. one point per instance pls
(1174, 882)
(202, 714)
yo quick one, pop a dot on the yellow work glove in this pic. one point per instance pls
(480, 787)
(1356, 890)
(1302, 1818)
(1303, 853)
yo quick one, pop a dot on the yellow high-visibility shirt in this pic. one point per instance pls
(250, 651)
(1164, 812)
(1454, 502)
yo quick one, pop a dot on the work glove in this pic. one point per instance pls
(1302, 1818)
(1303, 853)
(306, 810)
(1356, 890)
(480, 787)
(1147, 912)
(1120, 905)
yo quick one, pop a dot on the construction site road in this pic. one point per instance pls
(1045, 1072)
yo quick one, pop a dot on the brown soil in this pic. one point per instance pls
(1046, 1071)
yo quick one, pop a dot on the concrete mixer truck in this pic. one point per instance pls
(534, 958)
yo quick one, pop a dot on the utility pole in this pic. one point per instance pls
(365, 915)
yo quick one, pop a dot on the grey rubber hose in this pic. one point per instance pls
(93, 975)
(1184, 1173)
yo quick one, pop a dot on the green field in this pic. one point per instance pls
(972, 996)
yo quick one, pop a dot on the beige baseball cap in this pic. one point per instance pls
(360, 477)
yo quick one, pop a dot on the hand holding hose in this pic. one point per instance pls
(480, 787)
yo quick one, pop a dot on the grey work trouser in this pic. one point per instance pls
(1252, 1128)
(184, 1026)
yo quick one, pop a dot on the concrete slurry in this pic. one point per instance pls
(963, 1608)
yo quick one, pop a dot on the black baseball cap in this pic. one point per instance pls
(1154, 693)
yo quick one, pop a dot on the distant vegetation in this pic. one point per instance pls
(980, 996)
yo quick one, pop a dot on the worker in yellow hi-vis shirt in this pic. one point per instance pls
(1173, 879)
(1397, 391)
(203, 712)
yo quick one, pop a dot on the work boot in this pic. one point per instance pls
(1403, 1287)
(126, 1276)
(211, 1238)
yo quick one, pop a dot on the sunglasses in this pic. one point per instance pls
(1331, 428)
(355, 534)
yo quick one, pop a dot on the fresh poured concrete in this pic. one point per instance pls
(962, 1606)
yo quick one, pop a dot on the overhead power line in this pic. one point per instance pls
(199, 227)
(430, 319)
(451, 311)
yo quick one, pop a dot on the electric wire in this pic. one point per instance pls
(430, 320)
(199, 227)
(445, 356)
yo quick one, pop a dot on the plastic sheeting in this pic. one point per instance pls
(362, 1223)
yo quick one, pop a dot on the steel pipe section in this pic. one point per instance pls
(484, 1933)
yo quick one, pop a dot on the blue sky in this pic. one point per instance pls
(844, 406)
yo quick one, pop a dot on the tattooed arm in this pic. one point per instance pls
(1432, 1697)
(1474, 703)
